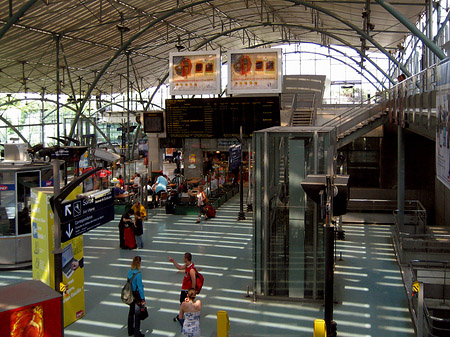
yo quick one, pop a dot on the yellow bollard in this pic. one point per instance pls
(223, 324)
(319, 328)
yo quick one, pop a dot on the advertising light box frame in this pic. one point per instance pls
(194, 73)
(257, 71)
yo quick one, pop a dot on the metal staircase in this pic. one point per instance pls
(358, 121)
(302, 95)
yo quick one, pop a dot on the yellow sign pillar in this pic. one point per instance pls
(43, 244)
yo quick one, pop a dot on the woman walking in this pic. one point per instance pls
(190, 315)
(201, 202)
(134, 319)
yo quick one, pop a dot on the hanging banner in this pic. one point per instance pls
(254, 71)
(443, 123)
(234, 159)
(194, 73)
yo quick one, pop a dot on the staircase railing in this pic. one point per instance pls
(292, 111)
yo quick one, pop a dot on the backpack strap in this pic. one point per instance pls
(131, 279)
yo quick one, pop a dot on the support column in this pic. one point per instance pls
(154, 154)
(296, 218)
(58, 84)
(400, 176)
(193, 158)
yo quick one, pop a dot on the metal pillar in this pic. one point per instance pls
(43, 116)
(429, 14)
(241, 179)
(420, 303)
(57, 252)
(58, 83)
(329, 275)
(250, 187)
(400, 176)
(265, 238)
(414, 30)
(128, 115)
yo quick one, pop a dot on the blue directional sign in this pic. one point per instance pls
(81, 215)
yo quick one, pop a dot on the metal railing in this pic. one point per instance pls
(434, 294)
(414, 215)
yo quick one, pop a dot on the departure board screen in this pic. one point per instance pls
(220, 117)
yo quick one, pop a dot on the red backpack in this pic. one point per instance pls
(199, 279)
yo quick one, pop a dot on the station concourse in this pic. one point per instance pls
(370, 298)
(319, 130)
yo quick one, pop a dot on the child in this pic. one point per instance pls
(138, 229)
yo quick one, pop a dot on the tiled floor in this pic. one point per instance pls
(369, 292)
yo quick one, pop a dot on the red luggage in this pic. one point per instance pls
(209, 211)
(130, 241)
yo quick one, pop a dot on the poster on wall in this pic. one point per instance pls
(254, 71)
(194, 73)
(443, 123)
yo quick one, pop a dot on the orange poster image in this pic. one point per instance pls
(255, 71)
(194, 72)
(28, 322)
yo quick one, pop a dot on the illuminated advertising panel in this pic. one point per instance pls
(30, 309)
(443, 123)
(254, 71)
(194, 73)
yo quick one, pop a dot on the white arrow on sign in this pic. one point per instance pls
(69, 232)
(67, 210)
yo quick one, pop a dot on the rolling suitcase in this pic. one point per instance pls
(130, 240)
(210, 211)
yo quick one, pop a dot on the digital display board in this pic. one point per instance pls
(220, 117)
(153, 122)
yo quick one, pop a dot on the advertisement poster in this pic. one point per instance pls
(255, 71)
(31, 309)
(194, 73)
(42, 220)
(443, 124)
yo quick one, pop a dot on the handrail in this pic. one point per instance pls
(349, 113)
(430, 319)
(293, 108)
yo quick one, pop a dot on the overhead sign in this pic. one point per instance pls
(254, 71)
(220, 117)
(194, 73)
(235, 156)
(81, 215)
(69, 153)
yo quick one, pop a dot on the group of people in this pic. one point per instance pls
(189, 313)
(131, 231)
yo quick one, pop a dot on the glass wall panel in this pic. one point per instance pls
(289, 250)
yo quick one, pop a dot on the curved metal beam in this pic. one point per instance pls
(4, 120)
(337, 59)
(227, 32)
(355, 28)
(295, 26)
(13, 19)
(413, 29)
(121, 50)
(63, 105)
(337, 51)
